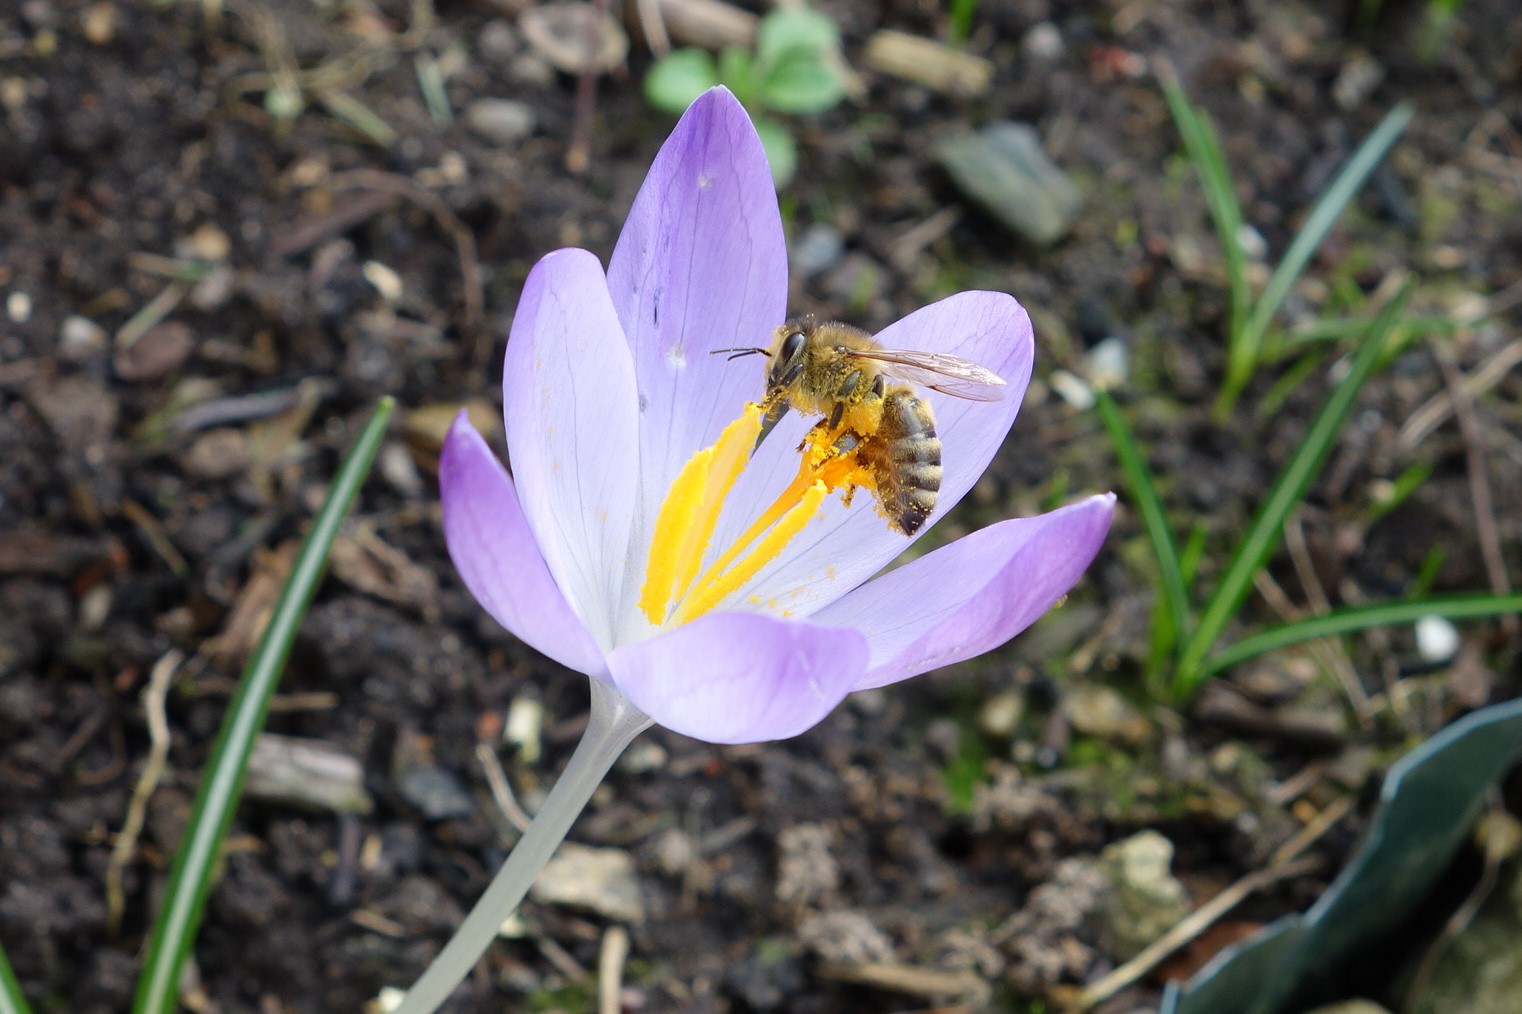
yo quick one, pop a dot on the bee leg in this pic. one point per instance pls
(843, 395)
(805, 441)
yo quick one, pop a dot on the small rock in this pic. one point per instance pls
(1043, 41)
(601, 881)
(501, 121)
(1072, 389)
(208, 243)
(521, 730)
(81, 339)
(1357, 81)
(818, 249)
(806, 868)
(1000, 715)
(435, 792)
(307, 772)
(1004, 169)
(1108, 364)
(844, 937)
(496, 41)
(1437, 640)
(1104, 714)
(160, 351)
(18, 307)
(214, 289)
(98, 24)
(1144, 900)
(560, 33)
(396, 466)
(1252, 243)
(642, 758)
(217, 454)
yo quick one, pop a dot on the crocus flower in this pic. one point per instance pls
(615, 546)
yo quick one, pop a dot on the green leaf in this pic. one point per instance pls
(1346, 621)
(190, 877)
(673, 82)
(12, 1000)
(1221, 197)
(801, 83)
(737, 71)
(1154, 516)
(1328, 208)
(781, 152)
(789, 29)
(1428, 805)
(1267, 528)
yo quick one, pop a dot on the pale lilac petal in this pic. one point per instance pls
(701, 264)
(740, 677)
(494, 551)
(572, 417)
(973, 595)
(845, 546)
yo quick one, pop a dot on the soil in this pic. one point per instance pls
(292, 269)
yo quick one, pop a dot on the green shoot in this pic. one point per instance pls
(1289, 488)
(795, 70)
(1345, 621)
(962, 12)
(11, 999)
(190, 878)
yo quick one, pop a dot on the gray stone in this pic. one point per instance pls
(1004, 169)
(502, 121)
(819, 248)
(437, 794)
(601, 881)
(1144, 899)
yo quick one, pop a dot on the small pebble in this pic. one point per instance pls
(435, 792)
(525, 722)
(818, 249)
(597, 880)
(501, 121)
(18, 307)
(497, 42)
(80, 339)
(160, 351)
(1437, 640)
(1251, 242)
(1000, 715)
(1072, 389)
(384, 279)
(1043, 41)
(1108, 364)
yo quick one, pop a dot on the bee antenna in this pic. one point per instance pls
(740, 353)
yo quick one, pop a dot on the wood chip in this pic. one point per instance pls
(927, 62)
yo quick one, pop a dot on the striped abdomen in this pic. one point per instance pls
(905, 458)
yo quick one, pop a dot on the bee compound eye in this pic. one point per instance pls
(792, 345)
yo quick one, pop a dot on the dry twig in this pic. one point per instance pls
(153, 770)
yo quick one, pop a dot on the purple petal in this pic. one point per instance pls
(740, 677)
(572, 418)
(973, 595)
(844, 547)
(701, 264)
(494, 551)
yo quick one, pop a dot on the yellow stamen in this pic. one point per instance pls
(688, 516)
(709, 594)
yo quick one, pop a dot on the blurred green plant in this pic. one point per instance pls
(1248, 322)
(796, 69)
(1184, 650)
(195, 865)
(1428, 806)
(960, 27)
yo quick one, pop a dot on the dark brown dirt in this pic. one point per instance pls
(145, 496)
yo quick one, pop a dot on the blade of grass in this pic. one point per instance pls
(1328, 208)
(1346, 621)
(1267, 528)
(190, 877)
(12, 1000)
(1154, 515)
(1220, 196)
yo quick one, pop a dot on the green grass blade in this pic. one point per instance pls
(12, 1000)
(1328, 208)
(1154, 516)
(190, 877)
(1220, 196)
(1346, 621)
(1267, 528)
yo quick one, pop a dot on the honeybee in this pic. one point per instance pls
(865, 395)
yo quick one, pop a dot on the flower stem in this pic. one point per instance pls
(613, 724)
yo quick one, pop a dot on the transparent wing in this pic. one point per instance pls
(938, 371)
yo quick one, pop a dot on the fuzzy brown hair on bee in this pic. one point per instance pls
(868, 403)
